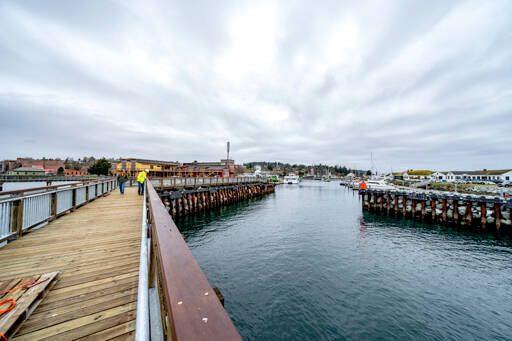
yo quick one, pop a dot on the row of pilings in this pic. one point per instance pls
(189, 201)
(484, 212)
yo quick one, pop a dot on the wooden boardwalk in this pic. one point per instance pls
(96, 249)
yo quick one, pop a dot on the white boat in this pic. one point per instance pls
(291, 179)
(354, 184)
(378, 184)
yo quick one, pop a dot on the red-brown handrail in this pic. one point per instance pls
(193, 310)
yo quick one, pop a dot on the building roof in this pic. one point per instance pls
(498, 171)
(149, 162)
(483, 172)
(420, 172)
(28, 169)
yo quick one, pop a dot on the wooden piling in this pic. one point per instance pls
(444, 210)
(184, 205)
(189, 204)
(497, 216)
(433, 205)
(469, 213)
(483, 215)
(455, 212)
(171, 208)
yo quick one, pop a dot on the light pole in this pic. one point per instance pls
(227, 161)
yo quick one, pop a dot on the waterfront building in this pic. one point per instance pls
(48, 165)
(75, 172)
(438, 176)
(413, 175)
(8, 165)
(156, 168)
(207, 169)
(480, 175)
(452, 176)
(27, 171)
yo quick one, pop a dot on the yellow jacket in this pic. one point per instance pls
(142, 177)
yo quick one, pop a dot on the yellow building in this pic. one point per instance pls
(156, 168)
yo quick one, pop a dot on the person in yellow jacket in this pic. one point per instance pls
(141, 179)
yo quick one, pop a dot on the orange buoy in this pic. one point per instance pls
(363, 185)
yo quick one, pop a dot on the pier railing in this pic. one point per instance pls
(24, 209)
(39, 178)
(204, 181)
(189, 307)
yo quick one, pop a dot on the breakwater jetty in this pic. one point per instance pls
(484, 212)
(187, 196)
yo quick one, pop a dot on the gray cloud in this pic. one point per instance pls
(421, 85)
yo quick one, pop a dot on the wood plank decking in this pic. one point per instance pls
(96, 249)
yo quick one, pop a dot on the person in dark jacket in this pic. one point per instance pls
(121, 179)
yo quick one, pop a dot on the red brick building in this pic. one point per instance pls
(49, 165)
(75, 172)
(207, 169)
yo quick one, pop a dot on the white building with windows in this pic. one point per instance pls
(452, 176)
(438, 176)
(483, 175)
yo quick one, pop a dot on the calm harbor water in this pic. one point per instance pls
(306, 264)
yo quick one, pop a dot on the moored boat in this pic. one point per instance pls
(291, 179)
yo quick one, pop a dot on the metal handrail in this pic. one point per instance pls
(201, 181)
(24, 212)
(192, 308)
(142, 321)
(49, 188)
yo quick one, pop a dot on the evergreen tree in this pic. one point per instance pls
(100, 167)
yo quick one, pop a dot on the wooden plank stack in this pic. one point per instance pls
(27, 293)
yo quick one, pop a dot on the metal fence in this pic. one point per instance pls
(24, 209)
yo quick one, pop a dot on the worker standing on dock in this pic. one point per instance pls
(121, 180)
(140, 180)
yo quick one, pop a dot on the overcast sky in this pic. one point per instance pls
(423, 85)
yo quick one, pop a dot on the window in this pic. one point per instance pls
(507, 178)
